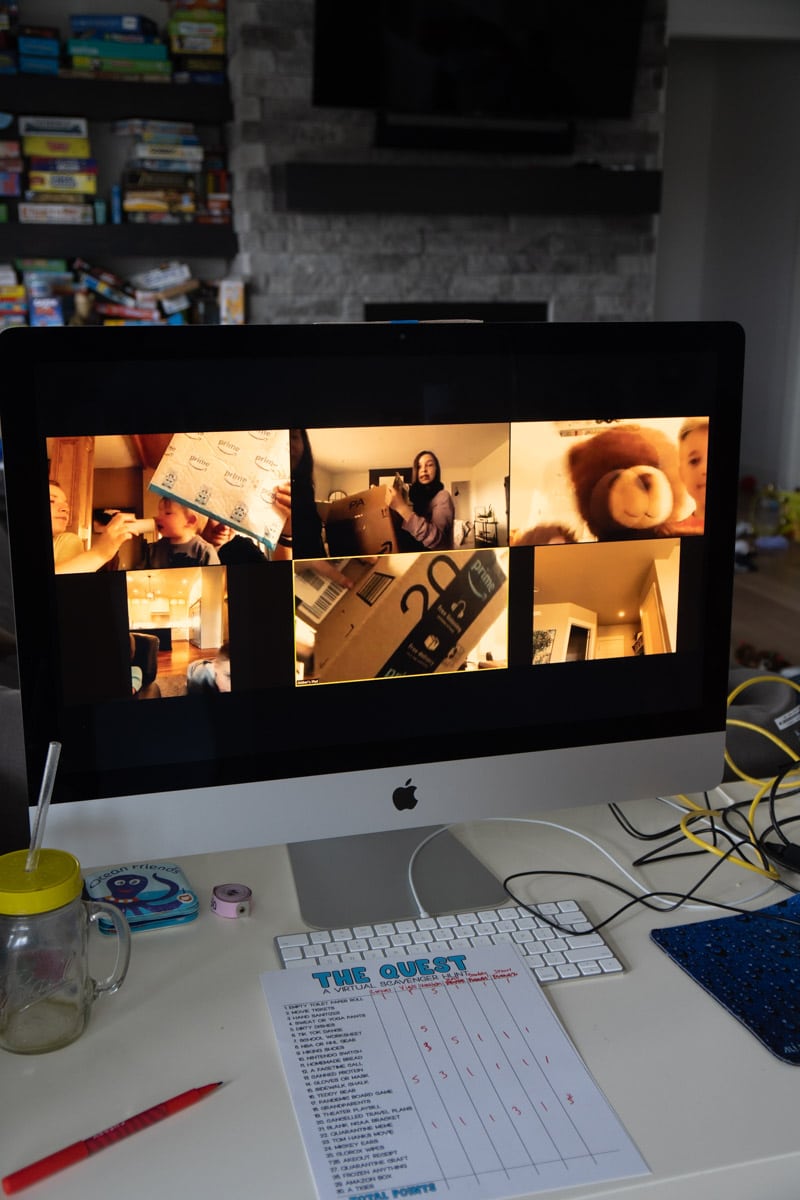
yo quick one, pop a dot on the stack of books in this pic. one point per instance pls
(197, 32)
(162, 179)
(117, 46)
(38, 49)
(62, 175)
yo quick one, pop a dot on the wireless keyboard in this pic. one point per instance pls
(551, 954)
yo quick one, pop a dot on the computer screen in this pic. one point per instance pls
(406, 574)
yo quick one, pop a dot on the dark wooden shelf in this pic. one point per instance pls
(111, 100)
(120, 241)
(413, 188)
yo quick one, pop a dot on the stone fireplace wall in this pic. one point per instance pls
(303, 266)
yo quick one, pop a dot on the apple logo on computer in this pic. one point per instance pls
(405, 796)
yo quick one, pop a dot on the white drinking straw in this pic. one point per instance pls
(45, 792)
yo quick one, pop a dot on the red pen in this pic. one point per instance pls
(80, 1150)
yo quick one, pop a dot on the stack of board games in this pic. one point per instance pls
(38, 49)
(9, 16)
(215, 208)
(61, 174)
(162, 179)
(117, 46)
(13, 305)
(49, 288)
(10, 168)
(167, 286)
(197, 32)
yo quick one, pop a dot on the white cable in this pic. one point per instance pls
(668, 904)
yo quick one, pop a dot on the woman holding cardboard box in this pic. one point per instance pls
(426, 510)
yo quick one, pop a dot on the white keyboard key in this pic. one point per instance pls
(504, 926)
(545, 974)
(358, 943)
(402, 938)
(458, 945)
(468, 918)
(373, 954)
(447, 922)
(292, 952)
(502, 939)
(589, 968)
(353, 956)
(378, 943)
(406, 926)
(319, 936)
(314, 951)
(385, 928)
(488, 915)
(362, 931)
(610, 966)
(292, 939)
(584, 939)
(568, 971)
(548, 910)
(584, 953)
(482, 942)
(341, 935)
(336, 947)
(330, 962)
(480, 930)
(569, 906)
(427, 923)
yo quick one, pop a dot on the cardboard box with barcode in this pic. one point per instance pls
(361, 524)
(229, 476)
(412, 615)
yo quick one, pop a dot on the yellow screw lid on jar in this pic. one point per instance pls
(55, 881)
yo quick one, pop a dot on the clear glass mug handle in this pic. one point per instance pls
(95, 910)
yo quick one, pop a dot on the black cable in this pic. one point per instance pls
(647, 899)
(773, 795)
(626, 823)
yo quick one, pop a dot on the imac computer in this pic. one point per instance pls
(407, 575)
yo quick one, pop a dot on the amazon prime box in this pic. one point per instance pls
(361, 524)
(412, 614)
(230, 476)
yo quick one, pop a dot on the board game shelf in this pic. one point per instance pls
(97, 241)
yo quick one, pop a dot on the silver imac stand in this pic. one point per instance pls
(349, 881)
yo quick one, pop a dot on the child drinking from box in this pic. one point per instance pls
(180, 544)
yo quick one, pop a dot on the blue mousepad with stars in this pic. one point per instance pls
(750, 963)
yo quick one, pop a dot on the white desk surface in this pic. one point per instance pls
(713, 1113)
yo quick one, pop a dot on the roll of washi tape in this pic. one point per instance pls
(231, 900)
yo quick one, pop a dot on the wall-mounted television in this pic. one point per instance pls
(515, 60)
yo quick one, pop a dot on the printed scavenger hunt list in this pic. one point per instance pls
(443, 1074)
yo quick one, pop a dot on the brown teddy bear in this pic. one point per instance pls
(627, 483)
